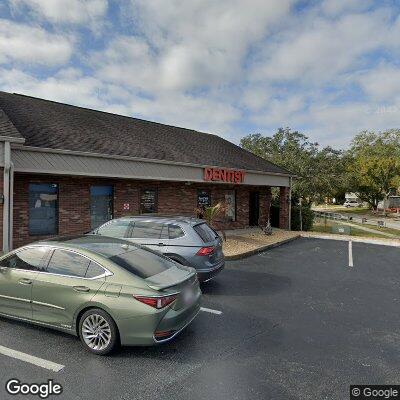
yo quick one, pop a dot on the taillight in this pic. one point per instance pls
(156, 302)
(206, 251)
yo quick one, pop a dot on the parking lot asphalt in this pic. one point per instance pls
(297, 323)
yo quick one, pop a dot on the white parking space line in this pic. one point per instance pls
(351, 264)
(210, 310)
(40, 362)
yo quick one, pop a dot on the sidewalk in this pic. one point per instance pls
(346, 238)
(377, 231)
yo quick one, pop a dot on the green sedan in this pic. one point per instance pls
(106, 291)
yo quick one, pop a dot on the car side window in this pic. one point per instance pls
(68, 263)
(175, 231)
(94, 270)
(147, 230)
(29, 259)
(116, 228)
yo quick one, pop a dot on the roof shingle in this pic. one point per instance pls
(48, 124)
(7, 128)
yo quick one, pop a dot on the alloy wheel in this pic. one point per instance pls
(96, 332)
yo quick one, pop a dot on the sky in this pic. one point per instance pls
(327, 68)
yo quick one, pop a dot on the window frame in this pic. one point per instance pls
(112, 204)
(113, 221)
(182, 229)
(235, 199)
(48, 256)
(44, 260)
(57, 213)
(132, 229)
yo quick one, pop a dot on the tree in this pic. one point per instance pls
(319, 172)
(374, 165)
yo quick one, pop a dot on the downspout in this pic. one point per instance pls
(6, 196)
(290, 203)
(11, 212)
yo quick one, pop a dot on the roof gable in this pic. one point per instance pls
(7, 128)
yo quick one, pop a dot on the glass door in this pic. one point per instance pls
(101, 205)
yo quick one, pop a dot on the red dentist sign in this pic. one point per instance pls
(224, 175)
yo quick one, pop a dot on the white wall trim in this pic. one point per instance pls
(72, 164)
(150, 160)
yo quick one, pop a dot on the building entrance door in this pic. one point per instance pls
(101, 205)
(254, 208)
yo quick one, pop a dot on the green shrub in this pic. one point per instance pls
(307, 217)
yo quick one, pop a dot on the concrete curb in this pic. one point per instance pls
(346, 238)
(260, 249)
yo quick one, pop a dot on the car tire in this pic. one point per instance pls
(98, 332)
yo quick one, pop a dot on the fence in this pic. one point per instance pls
(340, 217)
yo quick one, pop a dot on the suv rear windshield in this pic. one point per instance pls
(205, 232)
(142, 263)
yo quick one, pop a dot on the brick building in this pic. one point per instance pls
(67, 169)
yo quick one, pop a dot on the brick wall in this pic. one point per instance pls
(173, 198)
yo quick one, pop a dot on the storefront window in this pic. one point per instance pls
(203, 198)
(148, 201)
(43, 209)
(230, 203)
(101, 205)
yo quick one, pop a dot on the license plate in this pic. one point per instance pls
(188, 296)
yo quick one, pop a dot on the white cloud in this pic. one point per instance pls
(65, 11)
(218, 66)
(337, 7)
(318, 49)
(68, 86)
(281, 112)
(29, 44)
(381, 84)
(186, 45)
(71, 86)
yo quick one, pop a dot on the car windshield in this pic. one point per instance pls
(142, 263)
(205, 232)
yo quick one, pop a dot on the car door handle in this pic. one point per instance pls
(24, 281)
(161, 244)
(81, 289)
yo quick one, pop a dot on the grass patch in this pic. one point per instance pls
(319, 226)
(383, 229)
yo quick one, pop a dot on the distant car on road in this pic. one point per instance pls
(352, 203)
(188, 241)
(102, 289)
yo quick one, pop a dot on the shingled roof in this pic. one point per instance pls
(7, 128)
(48, 124)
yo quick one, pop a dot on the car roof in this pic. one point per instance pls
(102, 245)
(163, 218)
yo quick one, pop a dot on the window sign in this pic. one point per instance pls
(43, 209)
(148, 201)
(230, 204)
(203, 198)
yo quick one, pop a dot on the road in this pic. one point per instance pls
(297, 323)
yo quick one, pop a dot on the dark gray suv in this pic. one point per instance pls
(188, 241)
